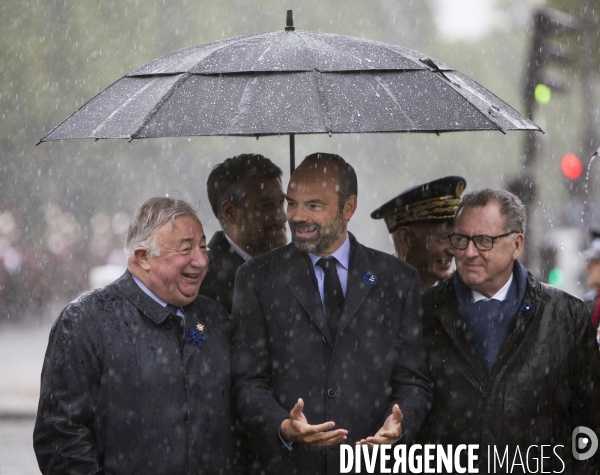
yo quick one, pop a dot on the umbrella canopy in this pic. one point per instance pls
(289, 82)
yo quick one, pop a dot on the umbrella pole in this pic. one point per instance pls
(292, 154)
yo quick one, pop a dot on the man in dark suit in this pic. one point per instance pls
(513, 362)
(419, 220)
(136, 378)
(327, 333)
(246, 197)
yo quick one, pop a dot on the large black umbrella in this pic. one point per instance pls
(289, 82)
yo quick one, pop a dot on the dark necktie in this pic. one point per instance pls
(332, 293)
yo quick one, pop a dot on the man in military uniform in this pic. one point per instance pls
(419, 220)
(247, 198)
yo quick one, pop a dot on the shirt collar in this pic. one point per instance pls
(500, 295)
(148, 292)
(238, 250)
(342, 254)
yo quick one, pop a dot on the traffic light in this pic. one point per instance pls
(548, 56)
(549, 26)
(571, 166)
(572, 169)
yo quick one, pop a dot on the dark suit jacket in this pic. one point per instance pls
(283, 350)
(224, 262)
(123, 392)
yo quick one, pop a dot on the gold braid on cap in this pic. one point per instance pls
(438, 208)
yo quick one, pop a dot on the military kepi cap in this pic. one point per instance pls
(430, 202)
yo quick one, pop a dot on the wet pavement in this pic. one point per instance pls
(22, 348)
(16, 450)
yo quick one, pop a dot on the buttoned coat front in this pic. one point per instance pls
(283, 350)
(123, 392)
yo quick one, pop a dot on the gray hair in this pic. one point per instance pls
(148, 217)
(511, 208)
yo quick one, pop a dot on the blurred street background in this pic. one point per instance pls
(65, 206)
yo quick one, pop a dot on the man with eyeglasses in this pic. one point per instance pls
(513, 362)
(419, 220)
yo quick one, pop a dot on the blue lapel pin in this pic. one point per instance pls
(369, 278)
(196, 335)
(527, 309)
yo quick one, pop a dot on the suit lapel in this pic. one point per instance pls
(219, 246)
(535, 299)
(297, 273)
(448, 316)
(361, 262)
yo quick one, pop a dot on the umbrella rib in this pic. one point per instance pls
(216, 48)
(445, 79)
(43, 139)
(316, 74)
(263, 53)
(125, 103)
(417, 67)
(387, 90)
(241, 38)
(396, 53)
(160, 103)
(245, 99)
(334, 47)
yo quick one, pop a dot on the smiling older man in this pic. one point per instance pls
(513, 362)
(136, 377)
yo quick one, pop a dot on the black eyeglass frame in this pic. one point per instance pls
(472, 238)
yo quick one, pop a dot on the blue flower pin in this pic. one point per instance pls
(527, 310)
(196, 335)
(369, 278)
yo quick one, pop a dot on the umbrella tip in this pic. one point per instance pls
(289, 21)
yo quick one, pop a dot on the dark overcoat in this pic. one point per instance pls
(123, 392)
(283, 350)
(545, 383)
(223, 264)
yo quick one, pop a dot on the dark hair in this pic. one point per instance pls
(151, 215)
(348, 184)
(227, 180)
(511, 208)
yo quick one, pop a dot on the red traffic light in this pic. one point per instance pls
(571, 166)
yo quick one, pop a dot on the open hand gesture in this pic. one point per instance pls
(390, 431)
(297, 429)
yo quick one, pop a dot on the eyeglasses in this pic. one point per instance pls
(481, 242)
